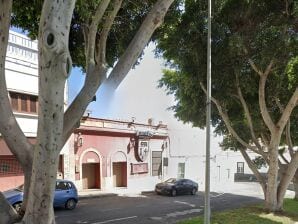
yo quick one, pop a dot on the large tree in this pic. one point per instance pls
(96, 35)
(254, 78)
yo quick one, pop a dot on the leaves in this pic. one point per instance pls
(258, 30)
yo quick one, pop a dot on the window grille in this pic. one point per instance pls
(24, 103)
(240, 167)
(10, 166)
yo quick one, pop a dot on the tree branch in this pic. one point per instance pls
(101, 8)
(247, 114)
(7, 212)
(289, 139)
(287, 111)
(254, 67)
(262, 102)
(100, 54)
(265, 139)
(152, 21)
(77, 108)
(287, 177)
(226, 119)
(254, 169)
(287, 130)
(9, 127)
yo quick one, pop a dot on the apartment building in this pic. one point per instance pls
(21, 73)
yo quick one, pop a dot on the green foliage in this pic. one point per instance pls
(259, 162)
(259, 30)
(26, 15)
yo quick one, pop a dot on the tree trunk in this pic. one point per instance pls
(27, 183)
(287, 177)
(271, 194)
(295, 183)
(7, 213)
(54, 68)
(41, 195)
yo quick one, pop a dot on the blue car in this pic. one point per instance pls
(66, 195)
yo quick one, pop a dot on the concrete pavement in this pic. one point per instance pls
(252, 189)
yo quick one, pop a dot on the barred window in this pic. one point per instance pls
(10, 166)
(240, 167)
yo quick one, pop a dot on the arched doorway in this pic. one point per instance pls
(119, 169)
(90, 174)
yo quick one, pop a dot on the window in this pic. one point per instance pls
(181, 170)
(240, 167)
(23, 102)
(156, 163)
(9, 166)
(62, 186)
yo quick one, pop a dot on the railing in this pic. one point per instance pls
(22, 48)
(21, 40)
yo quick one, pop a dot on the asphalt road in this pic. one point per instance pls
(147, 209)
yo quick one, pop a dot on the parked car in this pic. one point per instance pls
(66, 195)
(175, 186)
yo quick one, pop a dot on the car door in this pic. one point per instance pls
(180, 187)
(61, 193)
(189, 186)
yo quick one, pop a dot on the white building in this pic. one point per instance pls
(21, 73)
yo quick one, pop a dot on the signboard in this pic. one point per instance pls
(139, 168)
(145, 133)
(142, 151)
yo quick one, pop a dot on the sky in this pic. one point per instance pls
(137, 96)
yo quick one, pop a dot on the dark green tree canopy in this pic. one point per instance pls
(26, 15)
(260, 31)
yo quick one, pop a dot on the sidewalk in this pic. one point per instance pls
(97, 193)
(252, 189)
(94, 193)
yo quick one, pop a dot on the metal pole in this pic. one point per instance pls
(208, 118)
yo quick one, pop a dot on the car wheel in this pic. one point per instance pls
(17, 206)
(193, 191)
(70, 204)
(173, 192)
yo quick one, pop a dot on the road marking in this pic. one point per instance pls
(186, 212)
(175, 214)
(217, 195)
(185, 203)
(156, 218)
(115, 220)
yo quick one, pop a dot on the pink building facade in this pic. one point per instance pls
(113, 154)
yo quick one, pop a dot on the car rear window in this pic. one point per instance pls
(62, 186)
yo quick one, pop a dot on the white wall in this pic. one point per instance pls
(21, 73)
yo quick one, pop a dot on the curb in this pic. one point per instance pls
(102, 195)
(82, 197)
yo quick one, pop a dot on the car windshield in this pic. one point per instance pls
(171, 180)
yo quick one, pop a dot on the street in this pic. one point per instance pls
(147, 209)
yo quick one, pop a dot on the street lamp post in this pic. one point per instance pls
(208, 125)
